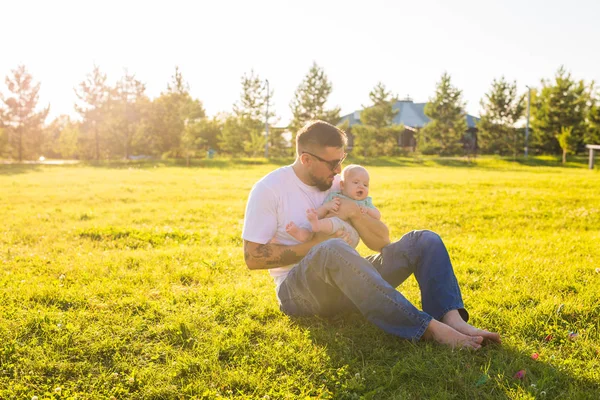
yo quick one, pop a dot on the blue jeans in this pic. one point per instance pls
(334, 278)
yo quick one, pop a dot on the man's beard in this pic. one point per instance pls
(320, 183)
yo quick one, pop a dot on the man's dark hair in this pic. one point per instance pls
(318, 134)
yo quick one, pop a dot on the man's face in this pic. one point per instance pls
(319, 165)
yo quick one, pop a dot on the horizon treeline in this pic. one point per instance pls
(121, 121)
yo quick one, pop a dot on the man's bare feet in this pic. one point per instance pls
(313, 218)
(444, 334)
(454, 320)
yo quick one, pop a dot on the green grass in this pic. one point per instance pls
(128, 280)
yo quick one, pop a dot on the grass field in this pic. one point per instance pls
(128, 280)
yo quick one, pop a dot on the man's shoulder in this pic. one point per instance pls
(276, 179)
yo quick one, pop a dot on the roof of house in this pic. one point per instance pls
(410, 114)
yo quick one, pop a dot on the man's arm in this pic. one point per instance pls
(374, 233)
(271, 255)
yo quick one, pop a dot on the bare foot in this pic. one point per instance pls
(454, 320)
(291, 228)
(298, 233)
(444, 334)
(313, 218)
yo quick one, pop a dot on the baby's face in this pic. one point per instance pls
(356, 185)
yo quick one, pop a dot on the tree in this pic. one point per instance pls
(23, 122)
(201, 135)
(567, 142)
(380, 113)
(377, 135)
(251, 110)
(234, 134)
(563, 103)
(94, 95)
(170, 113)
(592, 135)
(129, 106)
(448, 123)
(4, 144)
(309, 100)
(502, 108)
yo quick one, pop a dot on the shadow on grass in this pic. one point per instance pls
(381, 366)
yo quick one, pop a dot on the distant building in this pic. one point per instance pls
(412, 115)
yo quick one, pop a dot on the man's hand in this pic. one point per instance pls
(348, 209)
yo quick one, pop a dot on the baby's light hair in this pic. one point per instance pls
(352, 167)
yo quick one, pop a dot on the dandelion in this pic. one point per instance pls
(34, 398)
(57, 390)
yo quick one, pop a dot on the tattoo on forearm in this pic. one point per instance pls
(285, 258)
(264, 251)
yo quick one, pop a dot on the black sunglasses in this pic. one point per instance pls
(333, 164)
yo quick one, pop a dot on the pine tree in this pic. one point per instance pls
(592, 135)
(20, 118)
(129, 107)
(93, 94)
(170, 113)
(309, 101)
(563, 103)
(251, 111)
(377, 135)
(448, 123)
(502, 108)
(233, 136)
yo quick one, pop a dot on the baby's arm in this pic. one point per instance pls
(371, 212)
(330, 207)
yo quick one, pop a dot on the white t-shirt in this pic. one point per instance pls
(274, 201)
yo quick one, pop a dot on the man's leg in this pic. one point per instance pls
(424, 254)
(334, 276)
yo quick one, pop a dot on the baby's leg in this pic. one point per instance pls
(319, 225)
(300, 234)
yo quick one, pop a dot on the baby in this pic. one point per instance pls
(354, 185)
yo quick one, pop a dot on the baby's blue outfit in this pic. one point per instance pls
(340, 224)
(367, 202)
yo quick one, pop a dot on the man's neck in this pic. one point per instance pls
(301, 173)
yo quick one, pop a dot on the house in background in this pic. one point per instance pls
(412, 115)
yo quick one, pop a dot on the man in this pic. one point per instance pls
(325, 275)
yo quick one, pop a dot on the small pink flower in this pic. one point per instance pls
(520, 374)
(549, 338)
(535, 356)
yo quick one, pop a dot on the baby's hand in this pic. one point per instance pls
(333, 205)
(363, 209)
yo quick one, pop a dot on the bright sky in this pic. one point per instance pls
(405, 44)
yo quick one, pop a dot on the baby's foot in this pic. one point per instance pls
(313, 218)
(292, 229)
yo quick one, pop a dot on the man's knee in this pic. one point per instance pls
(427, 239)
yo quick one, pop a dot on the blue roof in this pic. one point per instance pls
(409, 114)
